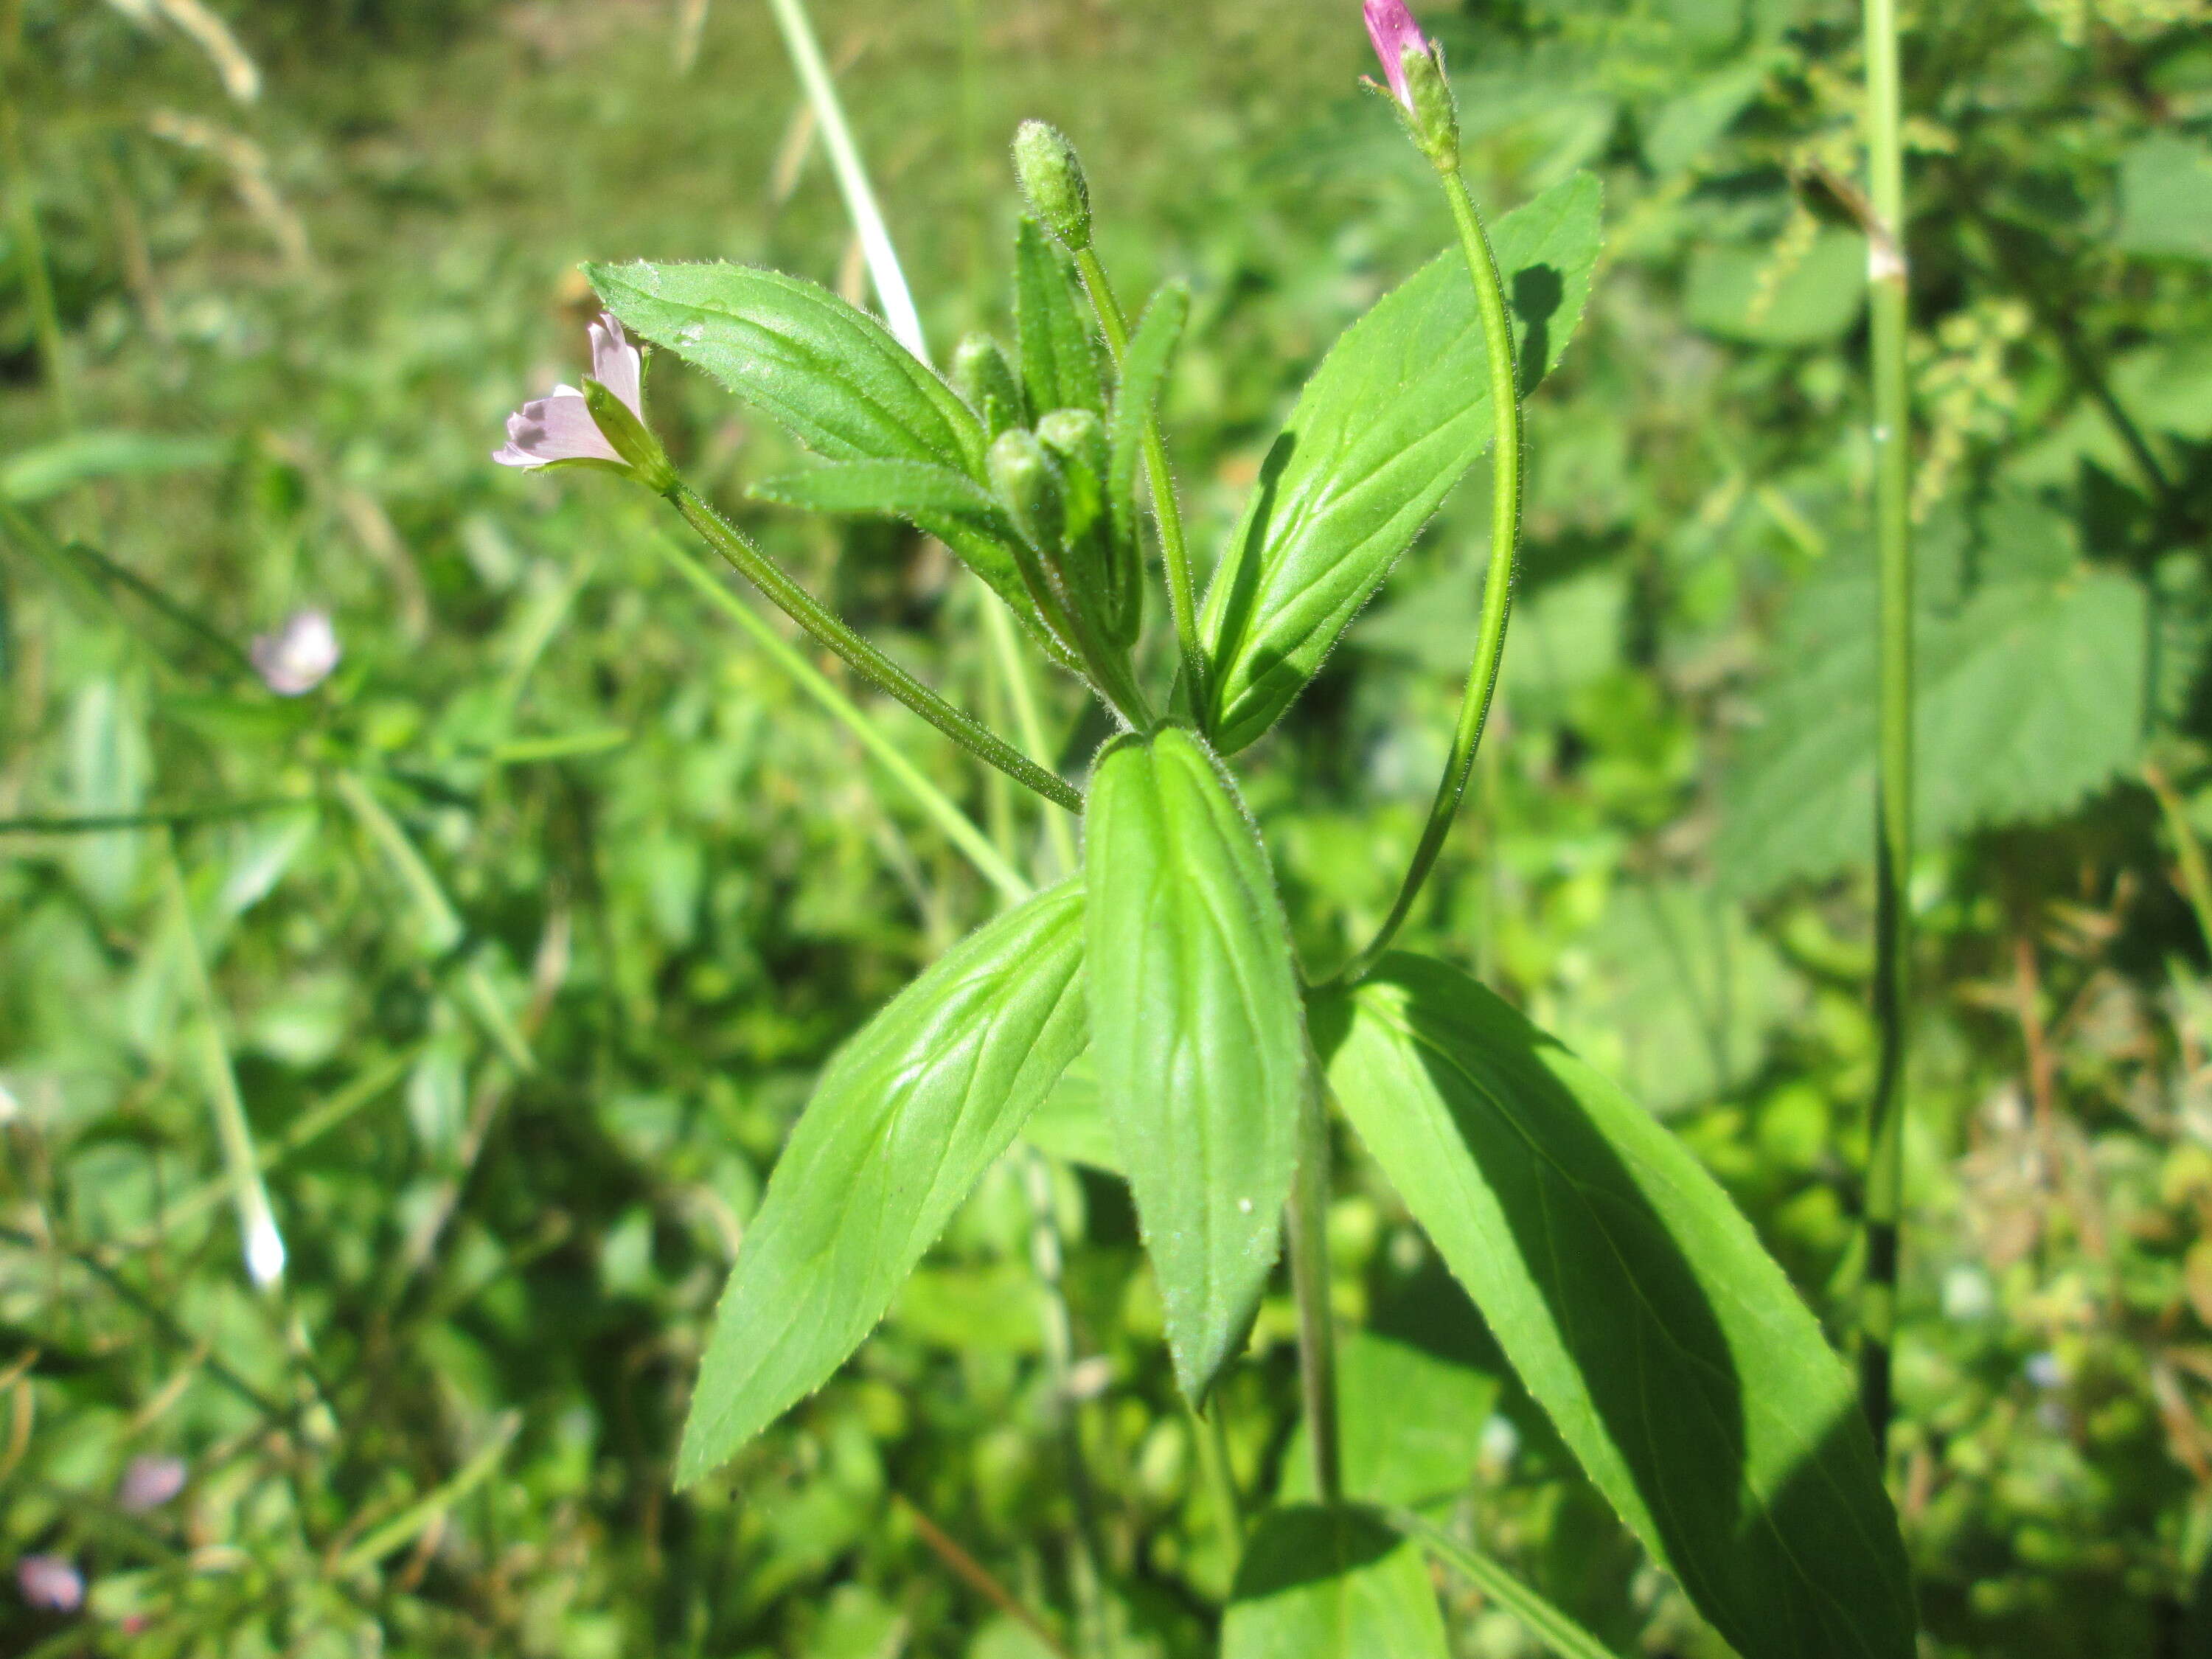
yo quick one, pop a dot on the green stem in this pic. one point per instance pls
(1308, 1230)
(1021, 691)
(257, 1221)
(1175, 551)
(958, 827)
(1894, 788)
(1047, 1255)
(1538, 1617)
(37, 283)
(1220, 1477)
(899, 313)
(863, 658)
(1498, 582)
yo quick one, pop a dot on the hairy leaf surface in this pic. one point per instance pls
(1197, 1034)
(1317, 1583)
(908, 1115)
(829, 375)
(1397, 413)
(1638, 1308)
(1060, 359)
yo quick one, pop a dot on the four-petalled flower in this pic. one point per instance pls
(560, 427)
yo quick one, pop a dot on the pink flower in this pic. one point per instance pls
(298, 657)
(150, 1482)
(1395, 33)
(560, 427)
(50, 1583)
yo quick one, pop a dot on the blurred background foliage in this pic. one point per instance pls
(510, 954)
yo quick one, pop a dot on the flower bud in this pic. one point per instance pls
(983, 377)
(1077, 439)
(1051, 177)
(1030, 484)
(1434, 120)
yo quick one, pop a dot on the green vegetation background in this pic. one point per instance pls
(557, 812)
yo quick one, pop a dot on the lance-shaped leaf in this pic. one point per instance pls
(1060, 359)
(1331, 1583)
(1198, 1035)
(1638, 1306)
(893, 488)
(1394, 416)
(906, 1117)
(1145, 371)
(829, 375)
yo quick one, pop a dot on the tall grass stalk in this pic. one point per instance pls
(1886, 284)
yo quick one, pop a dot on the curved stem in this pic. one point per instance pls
(1498, 583)
(1175, 551)
(958, 826)
(1885, 1172)
(863, 658)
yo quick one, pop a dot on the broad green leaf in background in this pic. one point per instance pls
(1199, 1036)
(1779, 295)
(831, 375)
(1410, 1425)
(1070, 1122)
(2166, 197)
(1059, 364)
(906, 1118)
(1638, 1308)
(1674, 992)
(1692, 121)
(1397, 413)
(1331, 1583)
(47, 469)
(2032, 695)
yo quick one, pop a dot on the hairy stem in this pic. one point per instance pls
(1309, 1229)
(1175, 551)
(1893, 774)
(863, 658)
(1498, 581)
(960, 828)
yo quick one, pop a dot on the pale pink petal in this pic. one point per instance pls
(1392, 28)
(50, 1583)
(295, 658)
(150, 1482)
(556, 429)
(616, 364)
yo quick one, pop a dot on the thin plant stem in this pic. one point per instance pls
(979, 1577)
(98, 822)
(890, 281)
(31, 246)
(1021, 692)
(1047, 1255)
(863, 658)
(958, 826)
(1167, 514)
(1309, 1231)
(1498, 581)
(257, 1221)
(1537, 1616)
(1886, 282)
(2188, 849)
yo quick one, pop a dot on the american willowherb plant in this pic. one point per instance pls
(1635, 1302)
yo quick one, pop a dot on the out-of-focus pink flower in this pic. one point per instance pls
(560, 427)
(150, 1482)
(1392, 30)
(50, 1583)
(299, 656)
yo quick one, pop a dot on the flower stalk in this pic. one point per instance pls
(1506, 470)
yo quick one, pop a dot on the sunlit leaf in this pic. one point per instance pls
(1638, 1307)
(907, 1117)
(1394, 416)
(1199, 1036)
(1331, 1583)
